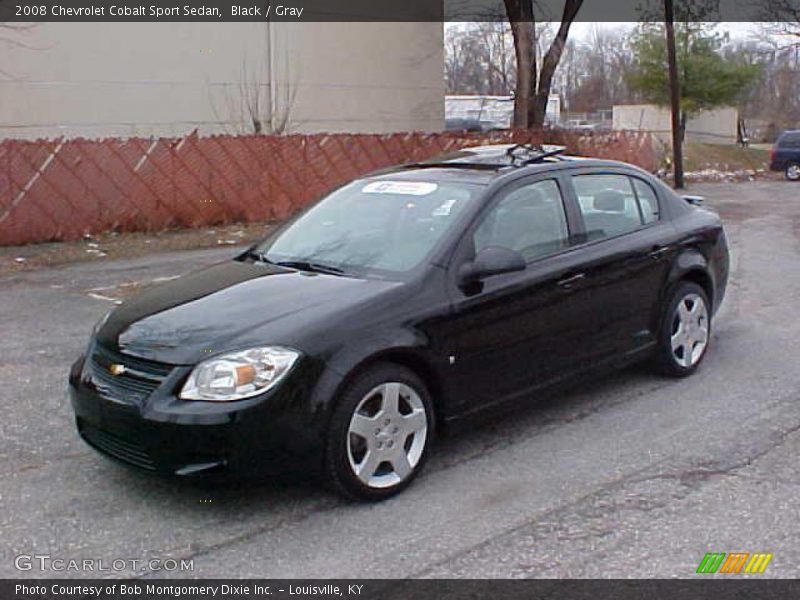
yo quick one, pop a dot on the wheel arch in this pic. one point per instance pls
(692, 265)
(410, 358)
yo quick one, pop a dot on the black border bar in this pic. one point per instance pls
(374, 589)
(383, 10)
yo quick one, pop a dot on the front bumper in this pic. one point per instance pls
(279, 431)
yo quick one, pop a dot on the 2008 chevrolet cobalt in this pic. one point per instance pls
(402, 301)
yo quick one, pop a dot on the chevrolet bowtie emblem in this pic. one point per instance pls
(116, 369)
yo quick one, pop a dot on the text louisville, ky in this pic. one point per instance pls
(178, 591)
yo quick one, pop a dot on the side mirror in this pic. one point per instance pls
(493, 260)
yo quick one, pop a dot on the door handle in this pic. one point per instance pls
(568, 282)
(658, 252)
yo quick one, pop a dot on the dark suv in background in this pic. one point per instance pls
(786, 155)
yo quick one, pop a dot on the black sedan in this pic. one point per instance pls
(399, 303)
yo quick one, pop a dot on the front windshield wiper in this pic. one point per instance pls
(301, 265)
(304, 265)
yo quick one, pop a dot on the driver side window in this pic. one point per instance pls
(530, 220)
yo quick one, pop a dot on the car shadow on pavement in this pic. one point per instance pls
(502, 426)
(475, 437)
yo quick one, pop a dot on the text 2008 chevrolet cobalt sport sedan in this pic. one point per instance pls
(399, 302)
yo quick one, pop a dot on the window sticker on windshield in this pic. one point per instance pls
(408, 188)
(444, 209)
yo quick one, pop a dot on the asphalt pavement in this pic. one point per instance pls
(632, 475)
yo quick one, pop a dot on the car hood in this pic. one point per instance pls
(231, 306)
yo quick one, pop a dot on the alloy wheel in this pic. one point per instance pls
(689, 330)
(386, 436)
(793, 172)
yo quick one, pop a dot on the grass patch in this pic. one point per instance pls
(698, 157)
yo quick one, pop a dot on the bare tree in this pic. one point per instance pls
(780, 22)
(259, 103)
(594, 71)
(538, 108)
(265, 110)
(479, 58)
(533, 83)
(499, 55)
(774, 103)
(520, 15)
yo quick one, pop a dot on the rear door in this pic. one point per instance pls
(627, 246)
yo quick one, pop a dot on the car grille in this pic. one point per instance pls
(140, 378)
(124, 450)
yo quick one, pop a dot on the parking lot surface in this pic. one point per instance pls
(632, 475)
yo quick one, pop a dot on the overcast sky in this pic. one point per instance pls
(581, 29)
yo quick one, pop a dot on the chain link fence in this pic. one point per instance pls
(56, 190)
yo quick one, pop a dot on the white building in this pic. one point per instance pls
(494, 112)
(165, 79)
(718, 126)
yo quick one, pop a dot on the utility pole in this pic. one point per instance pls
(271, 74)
(675, 95)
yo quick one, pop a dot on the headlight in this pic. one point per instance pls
(238, 375)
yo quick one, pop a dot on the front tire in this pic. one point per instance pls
(685, 331)
(379, 435)
(793, 172)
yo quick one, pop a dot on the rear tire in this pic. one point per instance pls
(793, 172)
(379, 434)
(685, 331)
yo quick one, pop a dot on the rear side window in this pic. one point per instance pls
(790, 140)
(608, 204)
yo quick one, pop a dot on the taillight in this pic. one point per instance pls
(772, 152)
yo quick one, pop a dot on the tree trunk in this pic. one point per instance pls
(540, 91)
(520, 16)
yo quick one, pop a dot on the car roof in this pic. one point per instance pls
(484, 164)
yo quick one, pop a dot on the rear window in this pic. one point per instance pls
(790, 140)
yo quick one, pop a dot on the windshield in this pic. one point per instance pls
(371, 227)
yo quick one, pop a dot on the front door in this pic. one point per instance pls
(515, 331)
